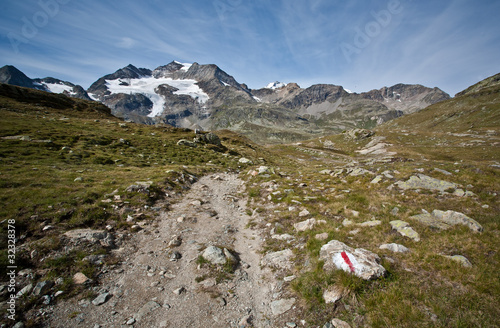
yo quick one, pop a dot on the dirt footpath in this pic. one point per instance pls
(160, 282)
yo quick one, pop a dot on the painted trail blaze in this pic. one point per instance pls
(347, 260)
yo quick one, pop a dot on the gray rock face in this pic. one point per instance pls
(421, 181)
(361, 262)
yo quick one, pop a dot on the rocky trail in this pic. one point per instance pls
(162, 282)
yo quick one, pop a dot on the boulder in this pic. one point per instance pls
(421, 181)
(454, 218)
(361, 262)
(446, 219)
(404, 229)
(214, 255)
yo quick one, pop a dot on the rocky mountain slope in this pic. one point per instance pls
(205, 97)
(124, 224)
(11, 75)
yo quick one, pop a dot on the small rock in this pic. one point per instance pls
(281, 306)
(397, 248)
(289, 278)
(291, 324)
(377, 179)
(230, 257)
(304, 213)
(460, 259)
(246, 321)
(146, 309)
(244, 160)
(179, 290)
(214, 255)
(279, 260)
(176, 241)
(404, 229)
(333, 294)
(19, 324)
(101, 299)
(322, 236)
(305, 225)
(42, 287)
(25, 291)
(337, 323)
(130, 321)
(372, 223)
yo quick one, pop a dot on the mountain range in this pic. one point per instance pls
(205, 97)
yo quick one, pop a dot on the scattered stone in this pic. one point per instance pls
(333, 294)
(421, 181)
(176, 241)
(130, 321)
(179, 290)
(327, 172)
(460, 259)
(442, 171)
(19, 324)
(101, 299)
(229, 256)
(281, 306)
(377, 179)
(244, 160)
(359, 171)
(404, 229)
(279, 260)
(79, 278)
(174, 256)
(305, 225)
(246, 321)
(25, 291)
(42, 287)
(284, 236)
(146, 309)
(291, 324)
(361, 262)
(184, 142)
(304, 213)
(393, 247)
(395, 211)
(347, 222)
(445, 219)
(372, 223)
(264, 170)
(214, 255)
(337, 323)
(322, 236)
(289, 278)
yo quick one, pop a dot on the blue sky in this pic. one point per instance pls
(361, 45)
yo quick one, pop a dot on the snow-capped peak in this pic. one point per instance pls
(275, 85)
(185, 66)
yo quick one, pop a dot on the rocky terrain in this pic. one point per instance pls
(128, 225)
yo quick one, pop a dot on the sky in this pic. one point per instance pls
(359, 44)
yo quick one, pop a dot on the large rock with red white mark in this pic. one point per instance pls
(361, 262)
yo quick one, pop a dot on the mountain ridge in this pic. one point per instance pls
(189, 96)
